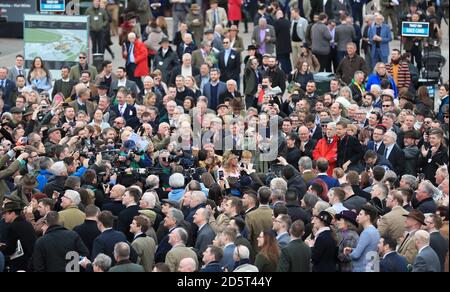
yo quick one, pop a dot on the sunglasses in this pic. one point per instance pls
(81, 57)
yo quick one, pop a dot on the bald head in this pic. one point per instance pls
(187, 265)
(117, 191)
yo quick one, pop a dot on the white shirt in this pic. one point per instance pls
(388, 150)
(186, 71)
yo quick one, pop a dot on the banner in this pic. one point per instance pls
(57, 39)
(13, 10)
(415, 29)
(52, 6)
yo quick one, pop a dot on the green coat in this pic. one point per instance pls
(98, 20)
(145, 248)
(75, 72)
(264, 265)
(257, 221)
(126, 267)
(176, 254)
(295, 257)
(4, 173)
(71, 217)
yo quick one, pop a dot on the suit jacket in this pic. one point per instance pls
(129, 115)
(100, 78)
(75, 72)
(176, 254)
(407, 247)
(324, 253)
(197, 59)
(397, 159)
(393, 262)
(371, 146)
(145, 248)
(8, 89)
(251, 80)
(182, 49)
(270, 44)
(213, 267)
(13, 73)
(105, 242)
(90, 107)
(222, 18)
(88, 231)
(427, 261)
(257, 221)
(295, 257)
(440, 246)
(205, 236)
(57, 87)
(233, 67)
(330, 181)
(130, 85)
(393, 223)
(227, 261)
(349, 148)
(126, 267)
(207, 92)
(386, 37)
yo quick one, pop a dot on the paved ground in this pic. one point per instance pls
(10, 47)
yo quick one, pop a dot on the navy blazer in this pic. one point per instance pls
(227, 261)
(205, 237)
(8, 88)
(88, 231)
(105, 242)
(232, 69)
(371, 146)
(397, 159)
(129, 115)
(207, 92)
(330, 181)
(427, 261)
(212, 267)
(394, 262)
(324, 253)
(440, 246)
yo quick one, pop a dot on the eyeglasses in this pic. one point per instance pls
(225, 42)
(386, 105)
(446, 117)
(81, 57)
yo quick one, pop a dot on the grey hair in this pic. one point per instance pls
(176, 214)
(242, 251)
(278, 195)
(305, 162)
(181, 233)
(321, 206)
(198, 196)
(122, 250)
(411, 180)
(429, 188)
(392, 134)
(150, 198)
(152, 181)
(58, 168)
(102, 261)
(278, 184)
(176, 180)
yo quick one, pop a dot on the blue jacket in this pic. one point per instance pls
(105, 242)
(43, 178)
(441, 108)
(330, 181)
(212, 267)
(394, 262)
(176, 195)
(227, 261)
(375, 79)
(386, 37)
(368, 242)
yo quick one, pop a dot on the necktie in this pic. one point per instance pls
(3, 83)
(121, 109)
(20, 72)
(330, 141)
(215, 19)
(376, 147)
(385, 153)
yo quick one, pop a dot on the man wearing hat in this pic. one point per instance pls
(411, 151)
(214, 40)
(215, 15)
(16, 114)
(10, 170)
(19, 241)
(26, 189)
(54, 136)
(71, 215)
(323, 249)
(195, 23)
(407, 247)
(166, 59)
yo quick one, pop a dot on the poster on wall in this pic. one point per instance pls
(57, 39)
(52, 5)
(13, 10)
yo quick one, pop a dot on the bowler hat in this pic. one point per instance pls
(416, 215)
(325, 217)
(349, 216)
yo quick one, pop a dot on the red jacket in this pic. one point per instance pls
(234, 10)
(328, 151)
(140, 57)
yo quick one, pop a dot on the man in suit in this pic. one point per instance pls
(205, 234)
(283, 45)
(251, 79)
(76, 70)
(352, 201)
(88, 231)
(214, 89)
(18, 69)
(199, 56)
(130, 199)
(122, 253)
(437, 242)
(379, 37)
(108, 238)
(305, 166)
(82, 103)
(264, 38)
(393, 153)
(231, 91)
(85, 80)
(426, 260)
(166, 59)
(215, 15)
(6, 86)
(407, 247)
(391, 261)
(179, 251)
(259, 219)
(187, 46)
(322, 165)
(314, 127)
(307, 143)
(296, 256)
(229, 62)
(64, 85)
(203, 78)
(281, 225)
(107, 75)
(211, 258)
(144, 245)
(377, 144)
(122, 81)
(228, 239)
(392, 224)
(349, 148)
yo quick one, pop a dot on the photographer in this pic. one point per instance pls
(6, 172)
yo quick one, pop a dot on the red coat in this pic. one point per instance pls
(234, 10)
(328, 151)
(140, 58)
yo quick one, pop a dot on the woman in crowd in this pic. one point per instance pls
(307, 56)
(39, 77)
(302, 75)
(346, 237)
(269, 252)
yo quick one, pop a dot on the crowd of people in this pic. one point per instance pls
(179, 160)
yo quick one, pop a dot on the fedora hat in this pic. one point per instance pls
(416, 215)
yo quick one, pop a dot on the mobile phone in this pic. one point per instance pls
(221, 174)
